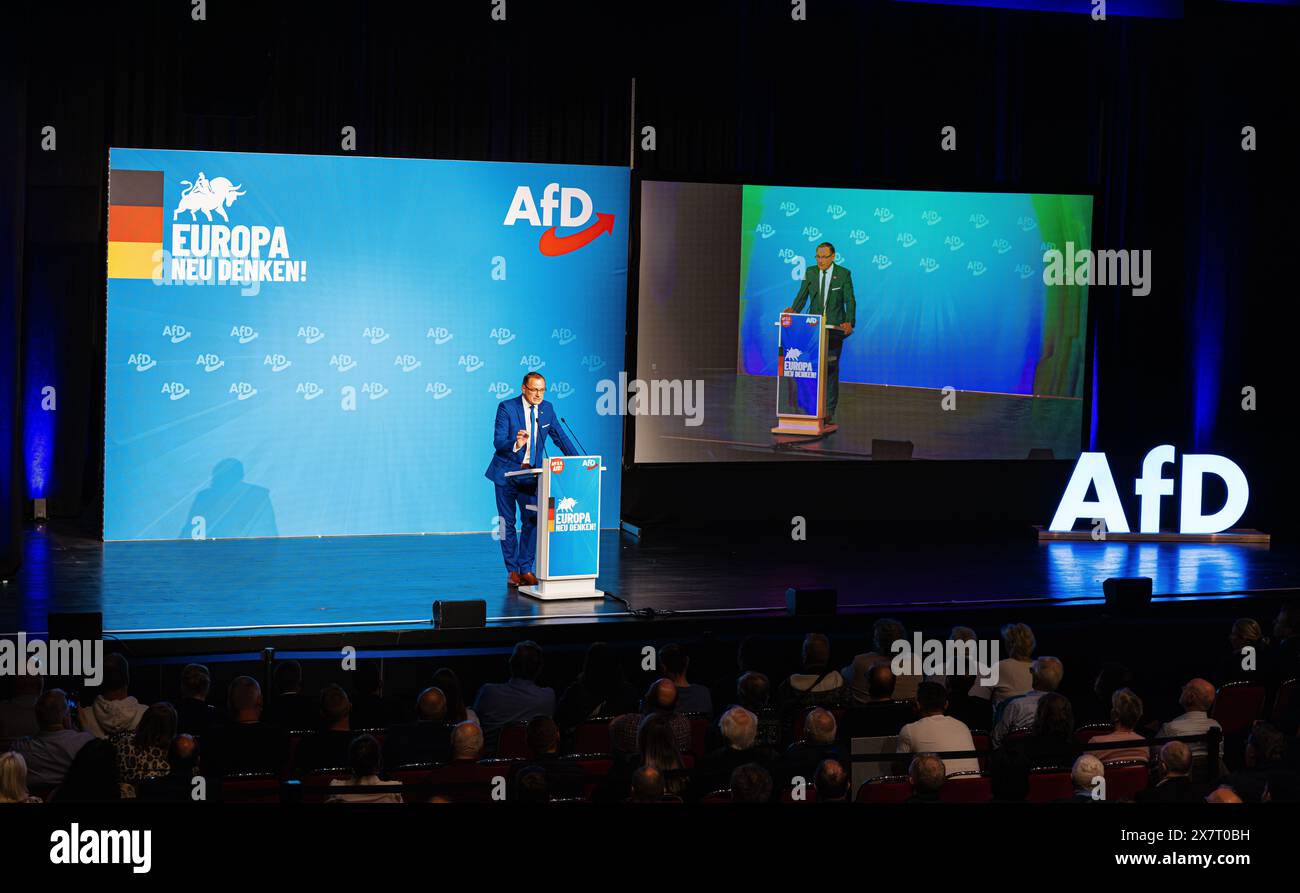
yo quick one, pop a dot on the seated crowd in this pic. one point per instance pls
(743, 740)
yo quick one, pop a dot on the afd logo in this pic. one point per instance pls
(931, 217)
(1092, 470)
(979, 220)
(438, 389)
(376, 334)
(954, 243)
(277, 361)
(209, 361)
(812, 232)
(141, 361)
(929, 264)
(175, 390)
(907, 240)
(976, 267)
(1001, 246)
(343, 362)
(470, 361)
(524, 207)
(245, 334)
(881, 261)
(502, 335)
(242, 390)
(1046, 246)
(858, 236)
(376, 390)
(1024, 271)
(407, 362)
(563, 336)
(561, 389)
(884, 215)
(177, 333)
(439, 334)
(589, 464)
(309, 390)
(532, 362)
(592, 362)
(501, 389)
(836, 211)
(765, 230)
(1027, 224)
(788, 208)
(310, 334)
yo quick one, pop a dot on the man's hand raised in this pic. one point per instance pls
(521, 438)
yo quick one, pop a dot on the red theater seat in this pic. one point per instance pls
(966, 787)
(885, 789)
(1125, 779)
(699, 732)
(1084, 734)
(513, 742)
(1237, 705)
(592, 736)
(1050, 785)
(1282, 703)
(262, 787)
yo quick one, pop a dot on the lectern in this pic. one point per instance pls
(568, 527)
(801, 375)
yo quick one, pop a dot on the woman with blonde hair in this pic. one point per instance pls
(1125, 715)
(1014, 670)
(13, 779)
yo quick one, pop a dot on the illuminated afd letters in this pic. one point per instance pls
(1092, 469)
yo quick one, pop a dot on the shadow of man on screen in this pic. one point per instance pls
(229, 507)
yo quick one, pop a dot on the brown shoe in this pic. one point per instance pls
(528, 578)
(513, 580)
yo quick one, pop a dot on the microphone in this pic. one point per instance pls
(575, 436)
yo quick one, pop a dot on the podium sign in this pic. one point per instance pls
(568, 528)
(801, 374)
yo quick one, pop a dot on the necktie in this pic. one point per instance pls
(528, 426)
(822, 308)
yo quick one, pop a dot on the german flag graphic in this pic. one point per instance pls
(135, 223)
(550, 514)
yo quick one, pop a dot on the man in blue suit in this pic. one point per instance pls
(519, 437)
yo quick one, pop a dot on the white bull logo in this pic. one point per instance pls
(207, 196)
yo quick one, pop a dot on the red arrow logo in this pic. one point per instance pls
(552, 245)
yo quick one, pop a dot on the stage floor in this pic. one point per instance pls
(150, 590)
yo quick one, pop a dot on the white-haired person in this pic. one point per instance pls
(1196, 700)
(1088, 775)
(739, 729)
(13, 779)
(1125, 714)
(1014, 669)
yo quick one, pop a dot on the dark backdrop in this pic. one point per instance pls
(1144, 113)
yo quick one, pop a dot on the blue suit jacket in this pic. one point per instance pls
(510, 419)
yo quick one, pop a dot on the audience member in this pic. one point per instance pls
(427, 740)
(1015, 676)
(1018, 711)
(244, 743)
(831, 782)
(601, 689)
(817, 685)
(18, 696)
(113, 710)
(331, 746)
(289, 707)
(660, 698)
(1196, 700)
(92, 777)
(674, 662)
(13, 779)
(751, 783)
(739, 729)
(1125, 714)
(802, 758)
(142, 754)
(365, 764)
(647, 785)
(884, 633)
(446, 680)
(194, 715)
(1265, 749)
(936, 733)
(50, 752)
(1088, 774)
(1173, 770)
(1051, 741)
(500, 704)
(466, 742)
(928, 775)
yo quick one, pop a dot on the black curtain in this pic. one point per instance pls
(12, 136)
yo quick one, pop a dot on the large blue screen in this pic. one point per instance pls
(309, 345)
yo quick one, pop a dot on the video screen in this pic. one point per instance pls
(799, 323)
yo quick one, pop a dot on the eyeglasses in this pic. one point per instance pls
(541, 390)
